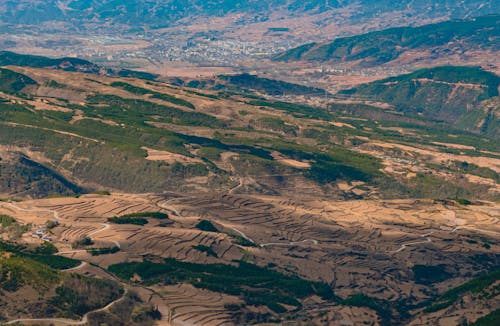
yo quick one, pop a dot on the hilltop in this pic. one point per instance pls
(406, 44)
(464, 97)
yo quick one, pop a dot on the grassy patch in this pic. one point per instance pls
(475, 285)
(424, 274)
(492, 319)
(155, 215)
(162, 96)
(103, 251)
(206, 250)
(128, 220)
(255, 285)
(205, 225)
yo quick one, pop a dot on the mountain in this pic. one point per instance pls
(376, 48)
(465, 97)
(156, 13)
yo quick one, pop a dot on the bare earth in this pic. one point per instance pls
(366, 246)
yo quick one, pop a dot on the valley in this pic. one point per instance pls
(243, 162)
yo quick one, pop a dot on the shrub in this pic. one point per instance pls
(128, 220)
(205, 225)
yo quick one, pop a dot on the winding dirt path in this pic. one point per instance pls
(56, 215)
(83, 321)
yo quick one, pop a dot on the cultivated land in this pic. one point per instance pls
(369, 247)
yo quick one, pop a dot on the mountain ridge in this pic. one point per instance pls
(382, 47)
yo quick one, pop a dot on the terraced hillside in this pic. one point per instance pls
(223, 259)
(405, 44)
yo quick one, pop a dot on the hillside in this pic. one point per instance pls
(250, 83)
(125, 200)
(90, 132)
(463, 97)
(68, 64)
(381, 47)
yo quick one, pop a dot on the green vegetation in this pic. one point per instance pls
(155, 215)
(103, 251)
(68, 64)
(136, 74)
(128, 220)
(102, 192)
(79, 295)
(426, 274)
(242, 241)
(82, 243)
(382, 307)
(161, 96)
(475, 285)
(205, 225)
(440, 94)
(296, 110)
(263, 85)
(16, 271)
(34, 266)
(13, 82)
(463, 201)
(42, 254)
(492, 319)
(277, 125)
(206, 250)
(137, 111)
(6, 221)
(255, 285)
(477, 170)
(383, 46)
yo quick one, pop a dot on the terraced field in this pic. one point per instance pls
(369, 247)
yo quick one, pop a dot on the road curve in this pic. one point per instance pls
(83, 321)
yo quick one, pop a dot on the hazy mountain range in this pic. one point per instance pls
(156, 13)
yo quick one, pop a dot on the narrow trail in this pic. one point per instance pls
(165, 206)
(455, 229)
(82, 265)
(405, 245)
(238, 186)
(14, 124)
(241, 233)
(56, 215)
(289, 244)
(105, 227)
(83, 321)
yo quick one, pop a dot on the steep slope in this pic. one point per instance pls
(251, 83)
(380, 47)
(69, 64)
(23, 177)
(13, 82)
(461, 96)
